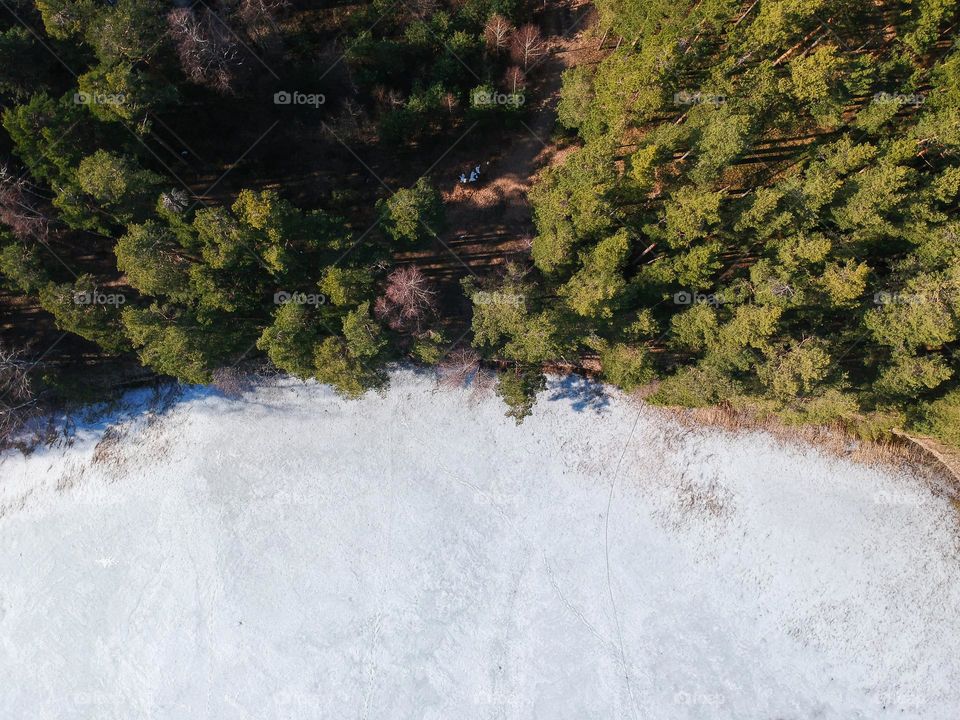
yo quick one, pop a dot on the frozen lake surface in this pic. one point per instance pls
(417, 555)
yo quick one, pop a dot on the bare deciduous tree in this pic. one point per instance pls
(21, 207)
(451, 101)
(527, 45)
(514, 80)
(351, 121)
(231, 381)
(409, 300)
(259, 18)
(208, 50)
(16, 394)
(421, 9)
(484, 381)
(387, 98)
(459, 367)
(496, 33)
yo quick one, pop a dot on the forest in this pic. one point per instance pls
(748, 203)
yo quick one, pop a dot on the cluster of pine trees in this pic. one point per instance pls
(761, 207)
(101, 230)
(762, 211)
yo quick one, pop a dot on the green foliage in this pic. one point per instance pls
(695, 329)
(689, 216)
(907, 376)
(335, 365)
(792, 179)
(743, 339)
(280, 234)
(123, 93)
(346, 286)
(498, 315)
(290, 339)
(537, 340)
(153, 261)
(430, 348)
(76, 310)
(627, 367)
(65, 18)
(816, 81)
(362, 334)
(928, 18)
(724, 136)
(576, 97)
(795, 371)
(941, 418)
(779, 24)
(845, 283)
(118, 185)
(127, 31)
(695, 387)
(181, 349)
(923, 316)
(831, 407)
(502, 320)
(46, 136)
(592, 291)
(570, 206)
(875, 116)
(518, 389)
(20, 265)
(412, 214)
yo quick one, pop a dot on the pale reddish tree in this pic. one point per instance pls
(459, 367)
(527, 45)
(514, 80)
(496, 33)
(409, 300)
(451, 101)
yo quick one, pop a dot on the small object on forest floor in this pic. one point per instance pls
(474, 176)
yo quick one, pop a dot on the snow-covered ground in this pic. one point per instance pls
(417, 555)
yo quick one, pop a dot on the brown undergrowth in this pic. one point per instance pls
(896, 451)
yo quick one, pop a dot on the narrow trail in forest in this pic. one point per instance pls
(490, 222)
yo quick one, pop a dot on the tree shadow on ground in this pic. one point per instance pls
(583, 393)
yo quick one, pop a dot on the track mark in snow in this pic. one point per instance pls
(575, 610)
(606, 552)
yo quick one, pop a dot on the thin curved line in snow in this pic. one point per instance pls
(606, 551)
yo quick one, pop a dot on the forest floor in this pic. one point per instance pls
(491, 222)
